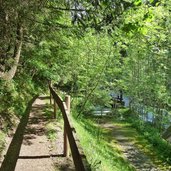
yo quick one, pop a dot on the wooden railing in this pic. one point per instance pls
(68, 134)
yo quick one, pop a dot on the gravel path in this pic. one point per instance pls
(35, 153)
(137, 158)
(131, 152)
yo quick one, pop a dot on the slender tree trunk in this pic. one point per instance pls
(8, 75)
(167, 133)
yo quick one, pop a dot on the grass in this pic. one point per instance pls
(51, 126)
(51, 131)
(102, 152)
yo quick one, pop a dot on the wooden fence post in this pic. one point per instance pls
(50, 84)
(68, 101)
(66, 143)
(55, 110)
(79, 166)
(50, 99)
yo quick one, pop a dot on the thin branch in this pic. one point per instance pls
(8, 75)
(68, 9)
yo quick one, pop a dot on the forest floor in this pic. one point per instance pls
(134, 147)
(37, 152)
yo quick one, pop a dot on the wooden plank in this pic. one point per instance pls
(55, 110)
(66, 143)
(50, 93)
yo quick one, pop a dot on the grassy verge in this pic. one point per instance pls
(103, 155)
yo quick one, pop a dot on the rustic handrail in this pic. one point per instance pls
(73, 146)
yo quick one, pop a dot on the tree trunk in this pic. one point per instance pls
(8, 75)
(167, 133)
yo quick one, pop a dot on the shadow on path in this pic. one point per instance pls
(41, 157)
(44, 97)
(12, 154)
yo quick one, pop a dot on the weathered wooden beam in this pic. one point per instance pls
(66, 143)
(55, 109)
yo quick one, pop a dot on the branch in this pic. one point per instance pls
(68, 9)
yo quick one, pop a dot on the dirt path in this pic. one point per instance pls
(125, 139)
(36, 151)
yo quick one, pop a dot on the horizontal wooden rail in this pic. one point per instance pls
(73, 146)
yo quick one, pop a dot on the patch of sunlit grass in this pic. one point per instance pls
(102, 152)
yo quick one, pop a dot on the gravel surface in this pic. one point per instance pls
(139, 160)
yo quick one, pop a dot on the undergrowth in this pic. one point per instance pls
(14, 97)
